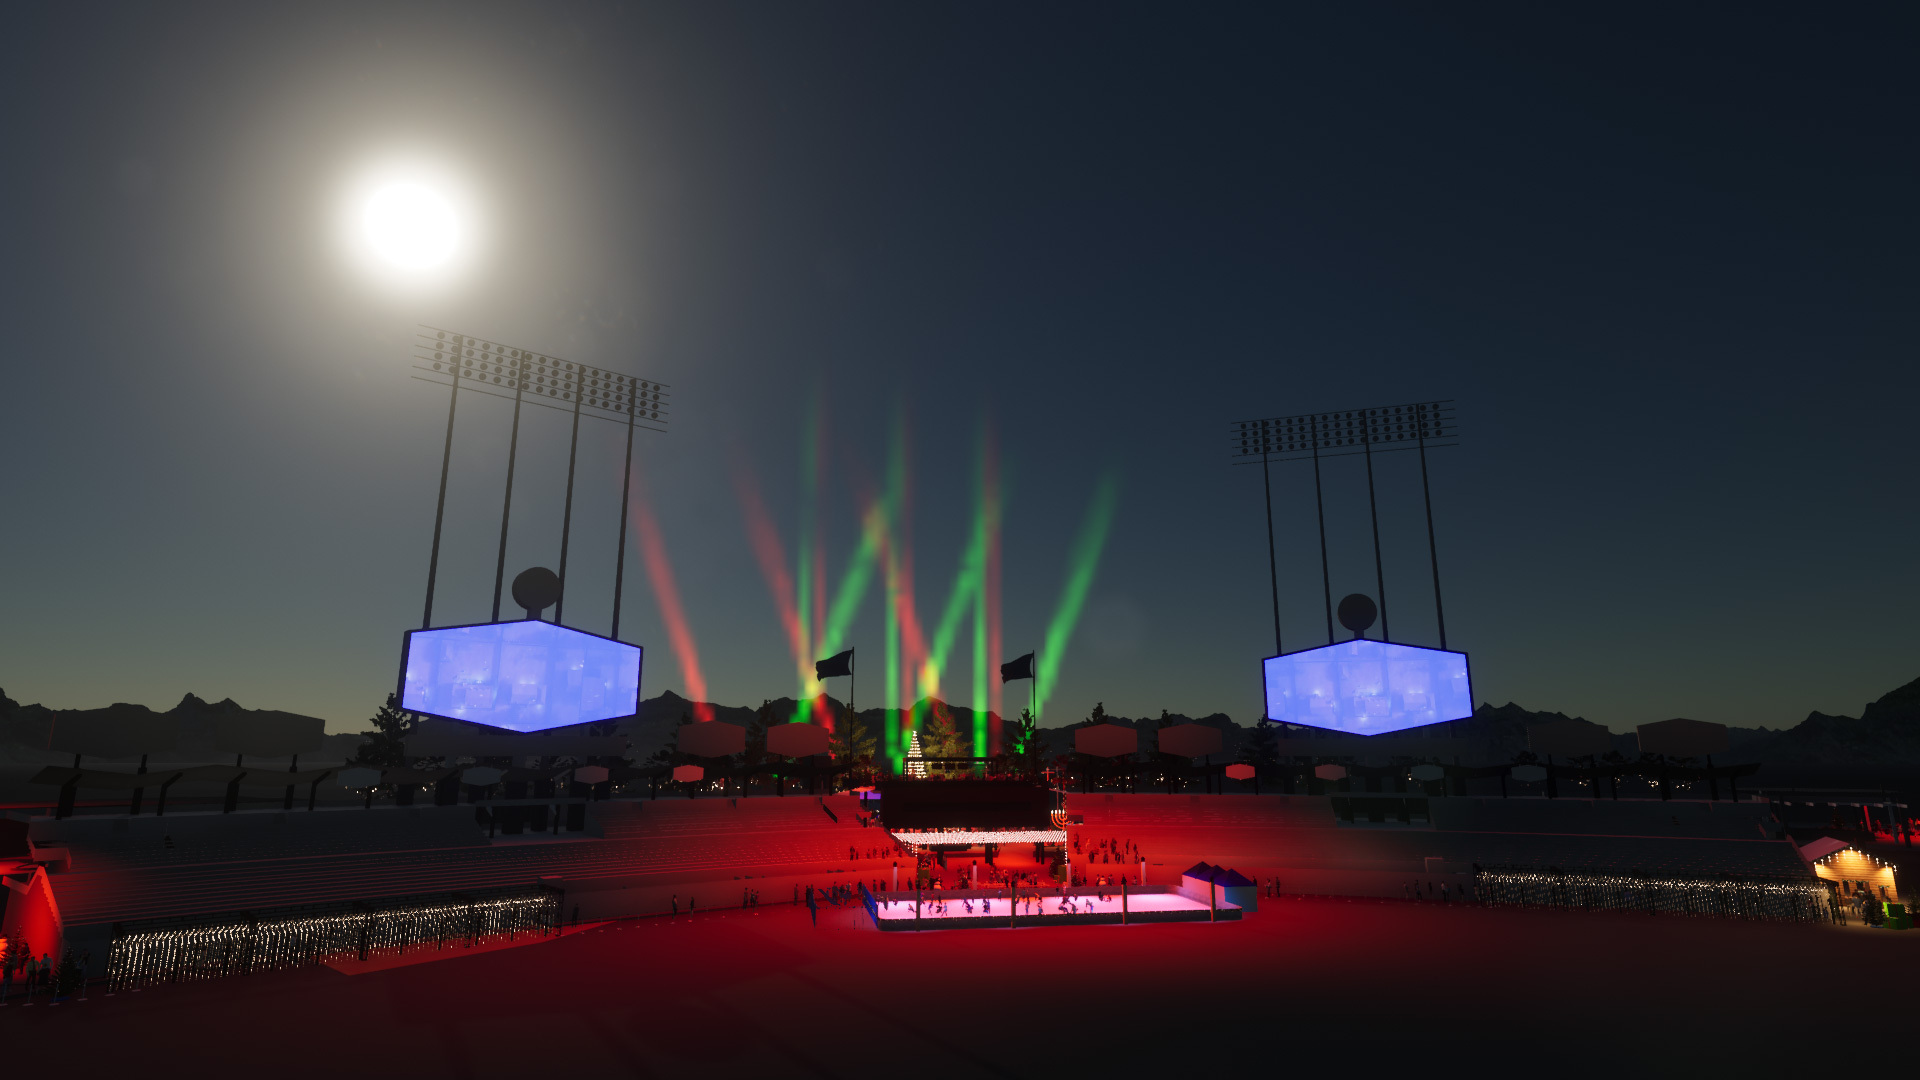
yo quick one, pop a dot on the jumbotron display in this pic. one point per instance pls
(1368, 687)
(523, 676)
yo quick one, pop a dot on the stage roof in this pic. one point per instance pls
(965, 804)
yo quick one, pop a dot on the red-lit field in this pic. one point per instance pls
(1374, 987)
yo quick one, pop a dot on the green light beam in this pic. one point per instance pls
(966, 585)
(985, 522)
(803, 583)
(1081, 566)
(895, 500)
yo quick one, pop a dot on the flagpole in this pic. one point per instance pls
(1033, 695)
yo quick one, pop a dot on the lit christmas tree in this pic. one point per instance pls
(915, 768)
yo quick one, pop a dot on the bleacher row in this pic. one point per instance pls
(238, 862)
(1692, 819)
(1690, 840)
(663, 839)
(1605, 817)
(121, 843)
(1184, 811)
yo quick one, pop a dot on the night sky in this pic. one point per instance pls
(1664, 262)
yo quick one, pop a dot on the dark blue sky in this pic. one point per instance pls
(1662, 259)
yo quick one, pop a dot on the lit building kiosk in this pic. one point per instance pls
(1852, 871)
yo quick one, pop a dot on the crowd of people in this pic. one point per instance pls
(1858, 899)
(1107, 851)
(1123, 854)
(24, 978)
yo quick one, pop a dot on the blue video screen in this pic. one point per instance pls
(1368, 687)
(521, 676)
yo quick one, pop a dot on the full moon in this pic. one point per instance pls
(409, 226)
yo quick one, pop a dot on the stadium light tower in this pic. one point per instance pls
(451, 359)
(1312, 436)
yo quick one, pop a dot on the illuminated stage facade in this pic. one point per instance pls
(961, 909)
(958, 814)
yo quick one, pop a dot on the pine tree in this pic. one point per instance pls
(670, 753)
(940, 735)
(855, 740)
(68, 976)
(1260, 747)
(14, 955)
(386, 745)
(1028, 743)
(757, 733)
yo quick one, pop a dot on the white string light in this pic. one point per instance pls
(240, 945)
(970, 837)
(1790, 900)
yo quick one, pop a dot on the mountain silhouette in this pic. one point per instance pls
(1887, 731)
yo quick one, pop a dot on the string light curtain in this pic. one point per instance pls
(161, 951)
(1792, 901)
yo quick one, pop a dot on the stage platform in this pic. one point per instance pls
(1079, 907)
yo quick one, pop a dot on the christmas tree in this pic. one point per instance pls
(915, 769)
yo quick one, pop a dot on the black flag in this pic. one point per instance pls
(837, 664)
(1021, 668)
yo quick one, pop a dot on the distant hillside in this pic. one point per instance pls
(1887, 732)
(191, 729)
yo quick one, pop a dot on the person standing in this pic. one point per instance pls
(676, 905)
(813, 911)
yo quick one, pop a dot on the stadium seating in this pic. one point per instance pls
(667, 839)
(1606, 817)
(260, 860)
(1275, 835)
